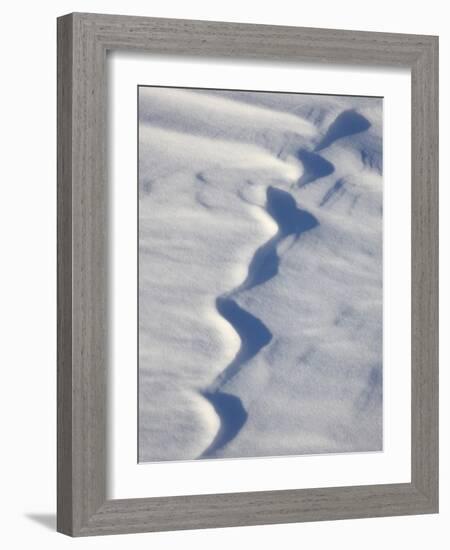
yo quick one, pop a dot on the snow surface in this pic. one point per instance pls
(260, 274)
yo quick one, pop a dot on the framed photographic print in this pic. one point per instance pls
(247, 274)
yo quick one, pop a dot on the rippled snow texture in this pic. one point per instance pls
(260, 274)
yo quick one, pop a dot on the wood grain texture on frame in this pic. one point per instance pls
(83, 40)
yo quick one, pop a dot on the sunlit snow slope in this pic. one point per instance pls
(260, 274)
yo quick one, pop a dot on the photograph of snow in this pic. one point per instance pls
(260, 274)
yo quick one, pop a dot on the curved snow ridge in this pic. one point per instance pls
(177, 149)
(252, 331)
(254, 335)
(232, 415)
(291, 220)
(176, 107)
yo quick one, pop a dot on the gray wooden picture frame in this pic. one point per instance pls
(83, 41)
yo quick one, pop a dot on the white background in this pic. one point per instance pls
(28, 251)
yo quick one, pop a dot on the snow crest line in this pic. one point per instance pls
(291, 220)
(254, 334)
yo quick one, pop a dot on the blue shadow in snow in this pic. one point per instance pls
(314, 167)
(336, 188)
(291, 220)
(346, 124)
(232, 416)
